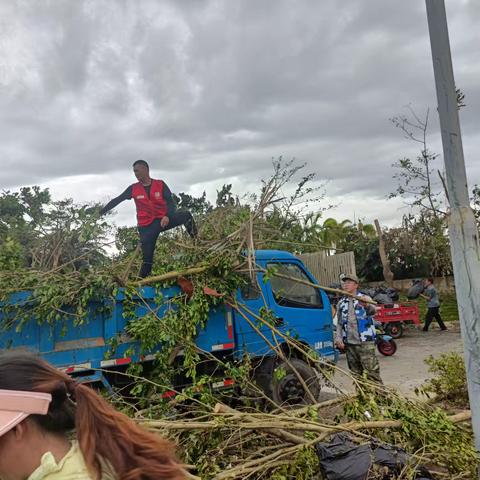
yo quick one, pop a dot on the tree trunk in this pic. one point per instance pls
(387, 273)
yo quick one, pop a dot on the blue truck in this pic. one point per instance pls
(301, 311)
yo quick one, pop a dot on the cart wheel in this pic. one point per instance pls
(387, 347)
(395, 329)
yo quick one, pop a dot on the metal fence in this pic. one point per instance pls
(327, 268)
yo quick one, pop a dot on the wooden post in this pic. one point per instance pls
(464, 240)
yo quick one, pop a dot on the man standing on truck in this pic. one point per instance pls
(356, 331)
(155, 212)
(433, 305)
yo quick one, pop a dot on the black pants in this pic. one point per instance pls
(433, 312)
(150, 233)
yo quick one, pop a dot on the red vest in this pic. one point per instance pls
(149, 208)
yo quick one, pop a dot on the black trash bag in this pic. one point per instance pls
(371, 292)
(395, 459)
(383, 299)
(415, 290)
(382, 294)
(342, 459)
(393, 294)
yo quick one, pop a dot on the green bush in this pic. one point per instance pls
(449, 382)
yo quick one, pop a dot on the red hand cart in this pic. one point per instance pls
(395, 316)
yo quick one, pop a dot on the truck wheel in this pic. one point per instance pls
(286, 388)
(395, 329)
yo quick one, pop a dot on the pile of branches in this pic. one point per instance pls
(220, 442)
(242, 433)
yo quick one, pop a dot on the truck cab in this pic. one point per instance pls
(300, 311)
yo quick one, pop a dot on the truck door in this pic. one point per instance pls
(252, 336)
(302, 310)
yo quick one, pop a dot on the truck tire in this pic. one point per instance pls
(261, 376)
(394, 329)
(286, 388)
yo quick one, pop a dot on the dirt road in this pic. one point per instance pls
(407, 370)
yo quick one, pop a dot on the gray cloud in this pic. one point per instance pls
(208, 91)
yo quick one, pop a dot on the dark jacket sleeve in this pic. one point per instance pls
(126, 195)
(167, 196)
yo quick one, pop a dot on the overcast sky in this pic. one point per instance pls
(209, 91)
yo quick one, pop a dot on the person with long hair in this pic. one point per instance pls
(52, 428)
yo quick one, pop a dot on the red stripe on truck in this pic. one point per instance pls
(123, 361)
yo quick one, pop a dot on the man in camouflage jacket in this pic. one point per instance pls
(356, 331)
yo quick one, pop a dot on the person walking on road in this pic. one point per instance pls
(433, 305)
(155, 212)
(356, 331)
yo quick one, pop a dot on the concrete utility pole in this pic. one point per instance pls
(464, 240)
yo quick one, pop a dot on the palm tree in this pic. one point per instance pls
(311, 225)
(367, 229)
(333, 232)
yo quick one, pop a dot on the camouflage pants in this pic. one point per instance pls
(361, 359)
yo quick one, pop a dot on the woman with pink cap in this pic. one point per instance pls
(40, 407)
